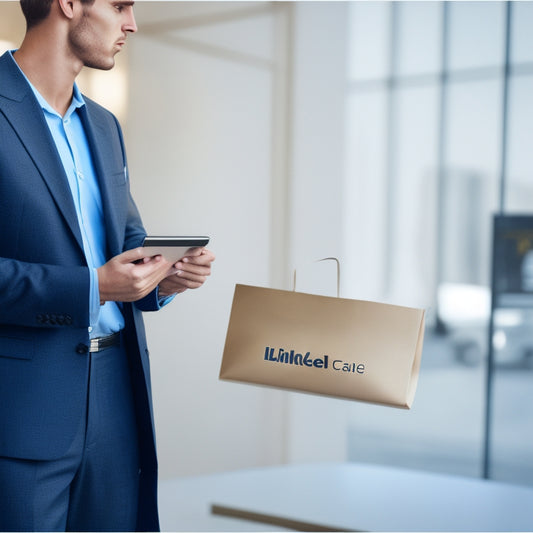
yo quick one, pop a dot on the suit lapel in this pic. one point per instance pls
(100, 143)
(25, 115)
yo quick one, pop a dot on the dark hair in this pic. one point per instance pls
(36, 11)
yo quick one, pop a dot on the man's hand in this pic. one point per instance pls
(190, 272)
(130, 276)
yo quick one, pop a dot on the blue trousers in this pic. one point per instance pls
(95, 486)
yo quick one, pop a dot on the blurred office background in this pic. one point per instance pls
(384, 133)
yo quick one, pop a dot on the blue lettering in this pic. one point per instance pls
(283, 357)
(269, 354)
(292, 358)
(318, 363)
(272, 357)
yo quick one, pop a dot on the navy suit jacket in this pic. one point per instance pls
(44, 282)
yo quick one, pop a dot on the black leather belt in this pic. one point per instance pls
(101, 343)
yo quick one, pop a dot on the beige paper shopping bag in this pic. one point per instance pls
(337, 347)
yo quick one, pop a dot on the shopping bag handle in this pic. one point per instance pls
(318, 261)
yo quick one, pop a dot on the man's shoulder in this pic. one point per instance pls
(12, 83)
(101, 117)
(98, 110)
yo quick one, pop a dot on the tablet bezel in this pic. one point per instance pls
(173, 248)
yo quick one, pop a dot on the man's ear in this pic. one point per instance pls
(66, 7)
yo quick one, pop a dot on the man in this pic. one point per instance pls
(77, 447)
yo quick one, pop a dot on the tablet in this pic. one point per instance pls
(173, 248)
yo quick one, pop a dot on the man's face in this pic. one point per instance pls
(100, 31)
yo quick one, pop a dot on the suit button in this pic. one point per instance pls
(82, 349)
(68, 320)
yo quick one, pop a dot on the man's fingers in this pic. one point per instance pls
(131, 275)
(182, 274)
(139, 257)
(194, 252)
(131, 256)
(203, 257)
(199, 270)
(191, 272)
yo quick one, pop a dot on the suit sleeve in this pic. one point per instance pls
(39, 295)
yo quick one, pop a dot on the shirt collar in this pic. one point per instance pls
(77, 98)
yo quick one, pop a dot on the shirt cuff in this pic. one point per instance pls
(94, 296)
(163, 300)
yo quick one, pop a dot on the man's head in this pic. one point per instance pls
(89, 31)
(98, 32)
(36, 11)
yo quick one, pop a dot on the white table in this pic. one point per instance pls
(345, 496)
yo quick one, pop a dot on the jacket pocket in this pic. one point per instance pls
(119, 178)
(14, 348)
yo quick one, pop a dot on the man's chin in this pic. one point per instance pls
(100, 65)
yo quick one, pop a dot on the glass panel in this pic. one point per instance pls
(369, 30)
(444, 429)
(474, 126)
(471, 181)
(419, 37)
(366, 207)
(512, 420)
(512, 417)
(414, 197)
(444, 435)
(476, 36)
(522, 36)
(468, 199)
(519, 184)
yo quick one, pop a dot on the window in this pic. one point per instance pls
(440, 119)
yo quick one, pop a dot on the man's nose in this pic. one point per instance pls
(130, 24)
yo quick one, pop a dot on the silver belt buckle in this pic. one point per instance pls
(94, 347)
(100, 343)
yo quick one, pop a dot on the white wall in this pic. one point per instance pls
(199, 136)
(218, 167)
(316, 425)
